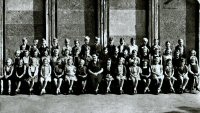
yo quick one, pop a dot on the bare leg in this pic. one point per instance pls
(84, 84)
(160, 85)
(121, 84)
(56, 82)
(136, 84)
(108, 86)
(71, 84)
(1, 86)
(18, 86)
(59, 84)
(185, 83)
(32, 85)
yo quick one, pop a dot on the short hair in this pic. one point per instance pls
(104, 48)
(97, 38)
(24, 39)
(182, 60)
(54, 50)
(9, 60)
(87, 38)
(180, 39)
(67, 40)
(145, 39)
(110, 39)
(193, 51)
(121, 39)
(82, 60)
(17, 51)
(132, 39)
(76, 40)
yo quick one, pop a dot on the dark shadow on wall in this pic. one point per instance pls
(141, 9)
(91, 18)
(186, 109)
(39, 20)
(191, 24)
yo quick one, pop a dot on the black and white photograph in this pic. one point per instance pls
(99, 56)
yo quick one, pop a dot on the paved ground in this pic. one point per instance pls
(111, 103)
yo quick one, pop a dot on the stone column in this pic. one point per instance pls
(153, 20)
(103, 20)
(2, 21)
(198, 45)
(51, 18)
(48, 21)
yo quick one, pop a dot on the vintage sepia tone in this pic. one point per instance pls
(122, 22)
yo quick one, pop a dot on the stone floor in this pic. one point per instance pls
(111, 103)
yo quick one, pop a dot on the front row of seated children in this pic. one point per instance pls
(58, 74)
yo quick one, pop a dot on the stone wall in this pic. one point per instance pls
(23, 18)
(128, 18)
(76, 19)
(178, 20)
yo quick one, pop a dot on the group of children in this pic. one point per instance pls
(93, 64)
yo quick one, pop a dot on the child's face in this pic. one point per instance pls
(134, 63)
(95, 58)
(21, 63)
(156, 42)
(122, 42)
(145, 63)
(67, 42)
(35, 54)
(126, 52)
(45, 62)
(111, 42)
(180, 42)
(66, 52)
(157, 61)
(169, 63)
(59, 62)
(26, 53)
(109, 63)
(69, 62)
(46, 53)
(97, 41)
(168, 45)
(55, 41)
(193, 53)
(87, 41)
(120, 61)
(133, 42)
(8, 62)
(106, 51)
(145, 42)
(24, 41)
(44, 43)
(23, 47)
(82, 62)
(177, 54)
(116, 51)
(56, 53)
(76, 43)
(17, 53)
(35, 42)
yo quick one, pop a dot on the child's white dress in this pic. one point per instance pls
(70, 73)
